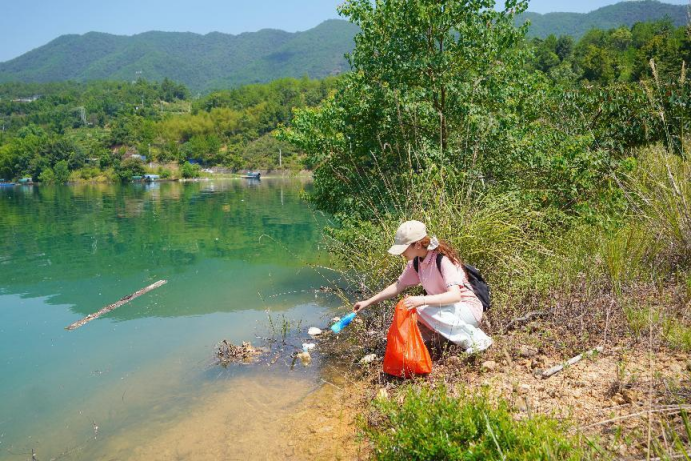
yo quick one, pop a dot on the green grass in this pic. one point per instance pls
(429, 424)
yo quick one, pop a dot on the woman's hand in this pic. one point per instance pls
(357, 307)
(411, 302)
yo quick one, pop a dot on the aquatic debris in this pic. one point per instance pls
(228, 352)
(343, 322)
(308, 346)
(305, 358)
(314, 331)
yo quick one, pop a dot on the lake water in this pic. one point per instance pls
(139, 382)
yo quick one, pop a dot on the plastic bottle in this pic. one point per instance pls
(341, 324)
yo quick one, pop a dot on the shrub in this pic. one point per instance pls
(190, 170)
(47, 176)
(128, 168)
(62, 172)
(164, 173)
(430, 424)
(659, 194)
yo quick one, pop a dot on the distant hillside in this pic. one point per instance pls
(202, 62)
(609, 17)
(216, 60)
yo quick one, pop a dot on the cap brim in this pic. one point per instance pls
(397, 249)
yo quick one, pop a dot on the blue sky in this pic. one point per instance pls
(28, 24)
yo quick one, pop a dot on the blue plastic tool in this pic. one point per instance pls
(341, 324)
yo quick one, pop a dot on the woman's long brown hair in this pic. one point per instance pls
(444, 248)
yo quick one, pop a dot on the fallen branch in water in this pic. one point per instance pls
(551, 371)
(115, 305)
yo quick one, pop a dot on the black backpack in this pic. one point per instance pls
(478, 284)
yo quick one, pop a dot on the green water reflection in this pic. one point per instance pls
(218, 243)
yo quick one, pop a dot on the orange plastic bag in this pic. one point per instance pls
(406, 354)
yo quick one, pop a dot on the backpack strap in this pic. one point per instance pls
(475, 281)
(438, 261)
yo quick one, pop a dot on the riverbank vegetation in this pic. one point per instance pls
(58, 132)
(562, 173)
(113, 130)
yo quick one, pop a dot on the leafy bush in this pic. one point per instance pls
(430, 424)
(62, 172)
(89, 173)
(128, 168)
(165, 173)
(190, 170)
(47, 176)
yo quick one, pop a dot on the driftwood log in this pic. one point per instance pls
(115, 305)
(557, 368)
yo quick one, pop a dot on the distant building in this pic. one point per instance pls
(30, 99)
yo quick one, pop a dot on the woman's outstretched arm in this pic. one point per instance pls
(389, 292)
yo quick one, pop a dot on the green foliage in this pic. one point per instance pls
(47, 176)
(231, 128)
(416, 81)
(552, 139)
(165, 173)
(608, 17)
(659, 193)
(615, 55)
(62, 172)
(190, 170)
(128, 168)
(431, 424)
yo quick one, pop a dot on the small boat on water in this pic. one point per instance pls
(151, 177)
(26, 181)
(6, 184)
(252, 175)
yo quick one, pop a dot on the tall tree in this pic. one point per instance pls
(422, 69)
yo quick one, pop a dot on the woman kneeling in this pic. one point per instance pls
(450, 307)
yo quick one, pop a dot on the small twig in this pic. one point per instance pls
(651, 383)
(551, 371)
(115, 305)
(645, 412)
(525, 318)
(683, 455)
(331, 384)
(663, 433)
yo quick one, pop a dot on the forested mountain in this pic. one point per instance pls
(202, 62)
(216, 60)
(621, 14)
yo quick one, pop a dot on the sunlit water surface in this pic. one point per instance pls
(139, 382)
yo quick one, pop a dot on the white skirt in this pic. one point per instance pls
(453, 321)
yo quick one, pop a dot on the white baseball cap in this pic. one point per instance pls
(408, 233)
